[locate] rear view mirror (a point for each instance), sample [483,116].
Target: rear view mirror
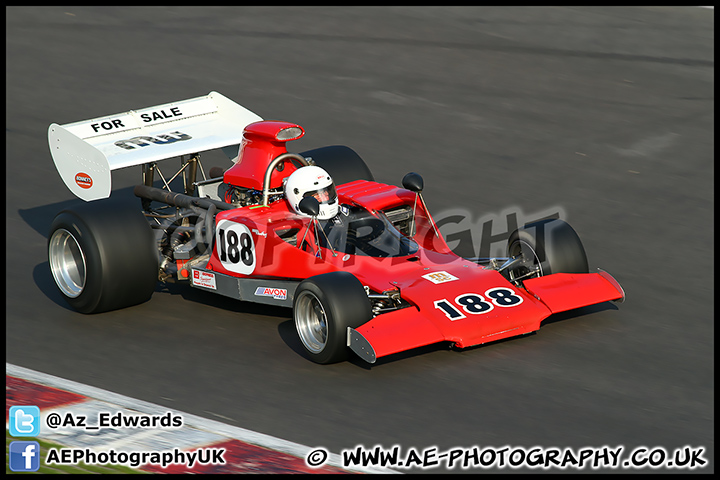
[413,182]
[309,206]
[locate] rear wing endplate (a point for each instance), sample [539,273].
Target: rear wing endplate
[86,152]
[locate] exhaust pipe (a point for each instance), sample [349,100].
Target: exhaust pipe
[178,199]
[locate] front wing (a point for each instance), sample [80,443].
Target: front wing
[413,327]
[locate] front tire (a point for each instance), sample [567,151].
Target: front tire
[546,247]
[324,307]
[102,256]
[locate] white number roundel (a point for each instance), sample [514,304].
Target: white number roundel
[235,247]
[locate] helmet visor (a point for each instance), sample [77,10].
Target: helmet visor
[323,195]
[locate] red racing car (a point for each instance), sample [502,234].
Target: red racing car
[362,264]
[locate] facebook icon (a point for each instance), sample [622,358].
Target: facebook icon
[24,456]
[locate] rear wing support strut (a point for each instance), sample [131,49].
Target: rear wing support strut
[188,168]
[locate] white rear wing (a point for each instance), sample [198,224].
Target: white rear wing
[86,152]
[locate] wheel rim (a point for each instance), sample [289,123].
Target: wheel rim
[311,322]
[67,262]
[530,260]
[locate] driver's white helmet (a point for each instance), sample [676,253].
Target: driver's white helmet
[315,181]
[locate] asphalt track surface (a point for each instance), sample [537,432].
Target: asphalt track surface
[603,114]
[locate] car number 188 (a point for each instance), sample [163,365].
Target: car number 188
[475,304]
[235,247]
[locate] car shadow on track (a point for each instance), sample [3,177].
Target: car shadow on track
[579,312]
[44,281]
[287,333]
[201,297]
